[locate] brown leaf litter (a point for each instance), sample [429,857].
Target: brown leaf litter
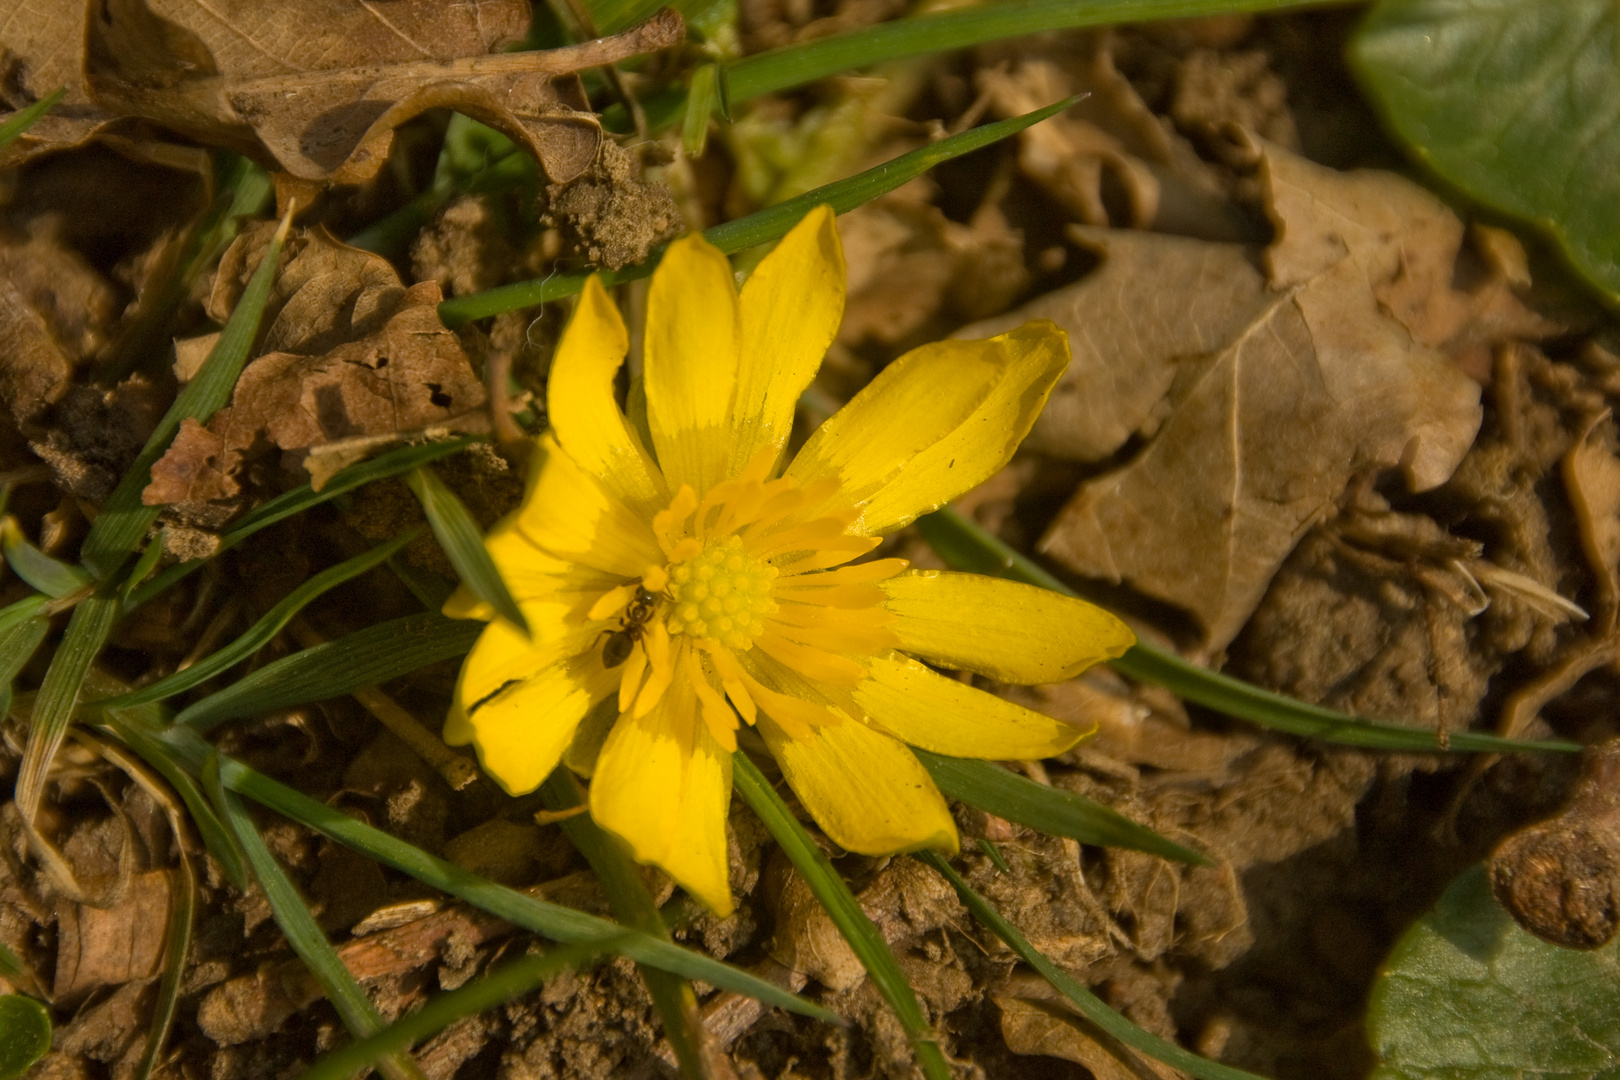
[313,88]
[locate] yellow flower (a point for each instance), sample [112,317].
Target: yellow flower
[676,591]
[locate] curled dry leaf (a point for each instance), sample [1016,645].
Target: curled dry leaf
[1592,477]
[1262,395]
[357,355]
[313,88]
[1042,1024]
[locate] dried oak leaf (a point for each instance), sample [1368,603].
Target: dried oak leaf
[313,87]
[1591,472]
[1313,383]
[356,355]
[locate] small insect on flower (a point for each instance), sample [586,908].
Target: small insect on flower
[681,578]
[622,642]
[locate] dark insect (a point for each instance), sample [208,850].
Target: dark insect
[616,650]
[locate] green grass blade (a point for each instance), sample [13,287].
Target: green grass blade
[965,546]
[366,657]
[177,943]
[25,1034]
[18,643]
[11,967]
[267,627]
[305,937]
[23,119]
[1047,809]
[463,543]
[23,610]
[845,911]
[52,577]
[1090,1006]
[795,65]
[151,555]
[299,499]
[549,920]
[87,632]
[760,227]
[702,96]
[124,520]
[498,987]
[632,905]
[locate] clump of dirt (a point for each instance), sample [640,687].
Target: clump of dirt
[610,215]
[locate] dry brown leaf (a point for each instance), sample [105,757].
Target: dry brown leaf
[1312,384]
[1046,1028]
[111,946]
[356,355]
[315,87]
[1592,478]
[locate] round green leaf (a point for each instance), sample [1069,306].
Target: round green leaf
[1517,103]
[25,1034]
[1467,995]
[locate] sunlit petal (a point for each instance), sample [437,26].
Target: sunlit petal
[568,513]
[521,729]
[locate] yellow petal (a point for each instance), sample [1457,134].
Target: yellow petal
[934,423]
[691,363]
[464,604]
[1008,631]
[663,786]
[521,730]
[865,789]
[924,708]
[567,513]
[584,412]
[791,308]
[503,654]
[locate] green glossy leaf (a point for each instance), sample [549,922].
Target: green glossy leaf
[760,227]
[463,542]
[1046,809]
[52,577]
[267,627]
[23,119]
[27,608]
[366,657]
[965,546]
[1089,1005]
[1468,995]
[832,891]
[1515,102]
[25,1034]
[123,521]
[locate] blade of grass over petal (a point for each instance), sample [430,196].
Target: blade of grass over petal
[549,920]
[965,546]
[1089,1005]
[124,520]
[297,922]
[632,905]
[1047,809]
[366,657]
[463,543]
[269,625]
[845,911]
[296,501]
[52,577]
[795,65]
[761,226]
[498,987]
[23,119]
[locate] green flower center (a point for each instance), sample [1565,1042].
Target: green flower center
[722,593]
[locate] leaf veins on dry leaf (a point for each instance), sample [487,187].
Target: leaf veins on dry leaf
[313,88]
[349,352]
[1260,393]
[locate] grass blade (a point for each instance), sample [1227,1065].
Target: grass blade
[23,119]
[52,577]
[124,520]
[23,610]
[845,911]
[548,920]
[632,905]
[1090,1006]
[299,499]
[268,626]
[463,542]
[756,228]
[965,546]
[498,987]
[305,937]
[366,657]
[1047,809]
[87,632]
[795,65]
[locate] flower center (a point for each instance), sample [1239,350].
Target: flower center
[722,593]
